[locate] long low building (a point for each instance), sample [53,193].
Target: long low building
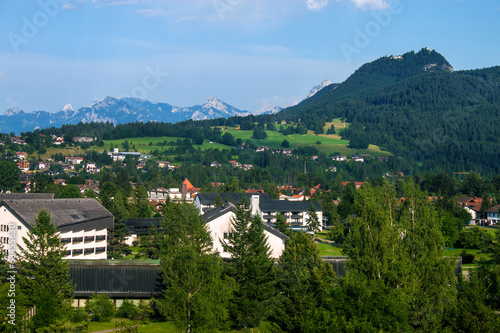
[82,224]
[133,280]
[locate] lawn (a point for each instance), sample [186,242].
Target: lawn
[326,249]
[148,327]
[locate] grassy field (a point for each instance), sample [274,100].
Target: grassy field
[329,144]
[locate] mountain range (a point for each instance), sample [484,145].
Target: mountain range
[127,110]
[118,111]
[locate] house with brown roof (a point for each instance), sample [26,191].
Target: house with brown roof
[473,206]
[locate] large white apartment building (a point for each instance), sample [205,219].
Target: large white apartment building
[82,224]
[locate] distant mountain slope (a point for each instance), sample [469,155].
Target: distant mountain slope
[117,111]
[417,107]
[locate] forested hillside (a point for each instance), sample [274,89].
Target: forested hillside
[417,108]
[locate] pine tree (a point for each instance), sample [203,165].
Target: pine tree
[251,267]
[196,294]
[44,275]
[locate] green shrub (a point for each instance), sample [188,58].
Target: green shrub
[101,307]
[127,310]
[79,315]
[474,238]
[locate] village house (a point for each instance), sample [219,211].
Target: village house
[339,158]
[73,159]
[473,206]
[356,158]
[21,155]
[215,164]
[492,215]
[83,139]
[357,184]
[219,224]
[17,140]
[261,149]
[24,166]
[283,151]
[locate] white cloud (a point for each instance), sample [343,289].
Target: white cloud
[118,2]
[370,4]
[316,5]
[69,6]
[153,12]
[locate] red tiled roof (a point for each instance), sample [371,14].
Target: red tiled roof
[189,186]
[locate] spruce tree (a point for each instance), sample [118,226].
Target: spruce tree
[281,224]
[313,222]
[218,201]
[196,292]
[251,267]
[43,274]
[304,283]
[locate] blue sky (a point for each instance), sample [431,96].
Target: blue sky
[249,53]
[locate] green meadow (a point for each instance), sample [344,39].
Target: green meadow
[328,144]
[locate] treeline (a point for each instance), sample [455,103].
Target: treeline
[397,279]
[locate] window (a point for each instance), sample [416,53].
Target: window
[100,250]
[77,239]
[89,239]
[100,238]
[65,240]
[86,216]
[18,227]
[89,251]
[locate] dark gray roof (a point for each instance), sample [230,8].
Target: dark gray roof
[219,211]
[209,198]
[288,206]
[274,231]
[63,212]
[47,196]
[116,278]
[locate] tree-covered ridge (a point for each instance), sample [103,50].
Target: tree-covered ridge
[437,121]
[388,70]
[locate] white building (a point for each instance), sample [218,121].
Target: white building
[219,223]
[296,212]
[82,224]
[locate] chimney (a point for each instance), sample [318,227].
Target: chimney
[254,204]
[183,191]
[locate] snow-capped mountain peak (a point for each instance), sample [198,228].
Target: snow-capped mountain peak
[215,103]
[12,112]
[317,88]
